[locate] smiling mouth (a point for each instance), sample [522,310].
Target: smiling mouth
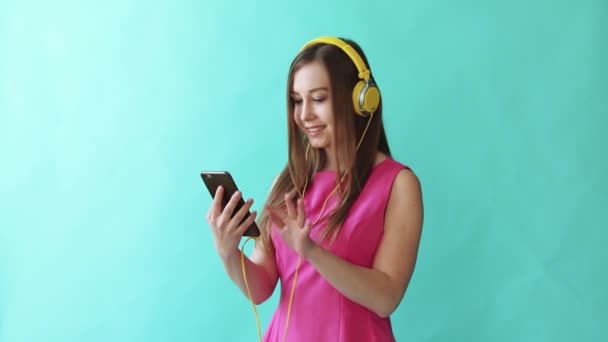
[314,130]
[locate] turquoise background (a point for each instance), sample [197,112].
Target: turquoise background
[109,111]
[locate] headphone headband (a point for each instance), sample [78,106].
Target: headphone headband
[365,95]
[364,72]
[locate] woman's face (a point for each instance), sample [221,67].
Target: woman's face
[313,110]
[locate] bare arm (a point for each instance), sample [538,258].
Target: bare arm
[227,229]
[382,287]
[260,269]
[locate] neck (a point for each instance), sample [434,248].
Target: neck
[330,160]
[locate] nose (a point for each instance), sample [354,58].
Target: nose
[306,110]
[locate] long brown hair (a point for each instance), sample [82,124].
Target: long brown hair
[348,130]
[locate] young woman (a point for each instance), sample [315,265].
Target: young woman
[342,224]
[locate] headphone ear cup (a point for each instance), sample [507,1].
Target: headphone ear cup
[357,92]
[366,98]
[371,99]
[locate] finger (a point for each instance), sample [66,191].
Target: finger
[301,215]
[248,222]
[276,217]
[307,227]
[238,217]
[216,205]
[232,203]
[291,212]
[279,213]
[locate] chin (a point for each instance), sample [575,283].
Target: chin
[318,144]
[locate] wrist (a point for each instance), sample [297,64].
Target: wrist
[227,256]
[310,250]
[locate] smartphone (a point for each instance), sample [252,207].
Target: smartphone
[213,179]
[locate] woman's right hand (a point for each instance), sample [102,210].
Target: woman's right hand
[227,231]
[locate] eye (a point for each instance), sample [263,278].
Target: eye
[296,101]
[319,99]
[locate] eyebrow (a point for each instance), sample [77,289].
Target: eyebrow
[312,90]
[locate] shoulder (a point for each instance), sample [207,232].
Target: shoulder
[394,177]
[406,181]
[404,178]
[406,191]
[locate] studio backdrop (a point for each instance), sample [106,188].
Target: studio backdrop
[109,111]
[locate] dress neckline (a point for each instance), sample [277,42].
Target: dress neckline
[334,173]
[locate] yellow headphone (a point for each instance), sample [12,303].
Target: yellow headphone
[366,95]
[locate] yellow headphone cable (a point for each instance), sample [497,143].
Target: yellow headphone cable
[293,286]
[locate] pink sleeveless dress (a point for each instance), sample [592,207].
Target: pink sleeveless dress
[320,313]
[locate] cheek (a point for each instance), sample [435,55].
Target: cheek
[327,114]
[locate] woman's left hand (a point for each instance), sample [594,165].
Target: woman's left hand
[293,227]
